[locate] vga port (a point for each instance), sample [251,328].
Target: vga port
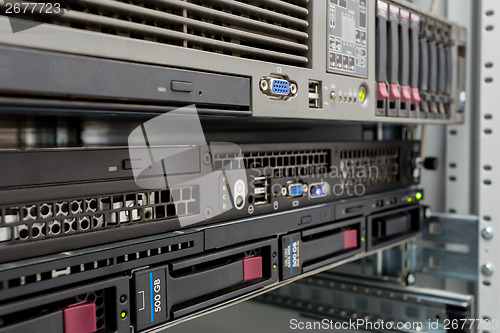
[293,190]
[278,87]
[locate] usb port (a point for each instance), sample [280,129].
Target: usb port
[314,94]
[261,191]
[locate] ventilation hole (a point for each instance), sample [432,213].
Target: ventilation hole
[91,297]
[99,312]
[488,65]
[84,223]
[488,80]
[45,210]
[24,233]
[487,167]
[487,182]
[488,116]
[453,165]
[487,218]
[100,324]
[488,131]
[489,28]
[453,132]
[55,228]
[490,12]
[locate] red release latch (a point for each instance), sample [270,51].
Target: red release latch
[252,267]
[79,317]
[382,92]
[350,238]
[394,92]
[415,95]
[405,93]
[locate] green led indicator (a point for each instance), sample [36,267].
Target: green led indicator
[409,199]
[418,195]
[123,314]
[274,266]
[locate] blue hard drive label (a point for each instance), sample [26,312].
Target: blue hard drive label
[291,255]
[150,288]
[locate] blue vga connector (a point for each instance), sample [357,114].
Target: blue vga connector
[278,87]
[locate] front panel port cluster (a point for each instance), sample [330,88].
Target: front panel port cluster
[314,94]
[278,87]
[319,190]
[293,189]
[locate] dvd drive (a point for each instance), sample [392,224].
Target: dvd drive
[40,73]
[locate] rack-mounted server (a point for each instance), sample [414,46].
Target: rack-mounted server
[162,279]
[63,199]
[383,61]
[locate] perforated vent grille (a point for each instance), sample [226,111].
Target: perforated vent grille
[282,163]
[96,264]
[256,29]
[370,166]
[40,220]
[98,297]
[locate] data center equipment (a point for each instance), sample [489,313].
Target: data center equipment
[166,278]
[383,61]
[105,229]
[84,195]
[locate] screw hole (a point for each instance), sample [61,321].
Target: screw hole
[487,167]
[487,182]
[453,165]
[488,65]
[488,116]
[487,218]
[489,28]
[488,131]
[453,132]
[488,80]
[453,178]
[490,12]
